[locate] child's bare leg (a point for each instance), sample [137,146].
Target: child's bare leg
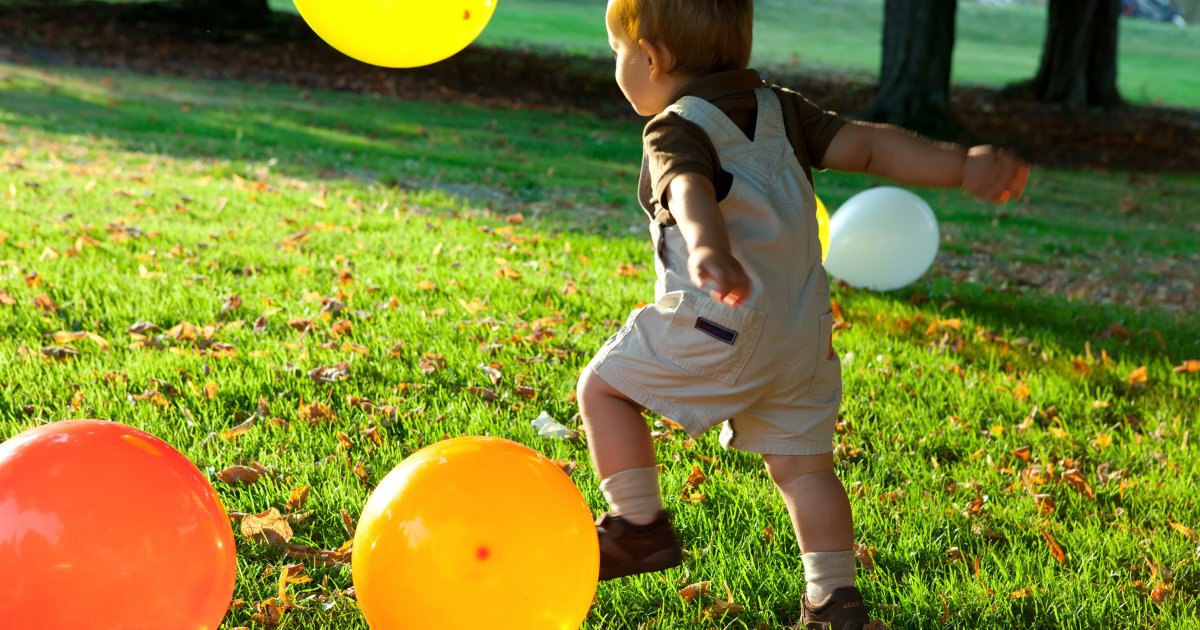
[621,448]
[821,516]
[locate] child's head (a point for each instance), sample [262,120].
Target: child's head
[704,36]
[662,43]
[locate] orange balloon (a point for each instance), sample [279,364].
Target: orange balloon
[103,526]
[476,532]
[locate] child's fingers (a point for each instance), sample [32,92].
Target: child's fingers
[722,288]
[1019,181]
[1010,180]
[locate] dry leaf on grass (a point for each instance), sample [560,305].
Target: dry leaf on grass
[297,497]
[1138,376]
[268,528]
[692,591]
[1189,366]
[1075,479]
[239,474]
[330,374]
[58,353]
[1055,549]
[1186,531]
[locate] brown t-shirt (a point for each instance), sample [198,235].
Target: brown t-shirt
[672,145]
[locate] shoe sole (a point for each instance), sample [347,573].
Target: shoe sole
[658,561]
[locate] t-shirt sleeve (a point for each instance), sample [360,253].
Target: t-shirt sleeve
[674,146]
[813,128]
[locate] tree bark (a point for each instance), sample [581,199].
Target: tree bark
[1079,57]
[914,78]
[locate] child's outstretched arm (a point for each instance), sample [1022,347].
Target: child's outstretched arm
[711,265]
[906,158]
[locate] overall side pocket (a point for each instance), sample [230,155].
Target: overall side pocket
[711,339]
[827,367]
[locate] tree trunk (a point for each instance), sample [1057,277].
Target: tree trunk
[914,79]
[1079,57]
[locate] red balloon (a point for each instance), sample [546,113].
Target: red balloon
[104,526]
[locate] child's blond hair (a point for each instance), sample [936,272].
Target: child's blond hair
[704,36]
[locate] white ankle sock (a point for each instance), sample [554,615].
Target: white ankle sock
[825,571]
[633,494]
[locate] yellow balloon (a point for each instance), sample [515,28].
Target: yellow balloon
[823,228]
[475,532]
[397,33]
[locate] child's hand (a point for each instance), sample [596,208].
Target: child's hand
[993,175]
[720,273]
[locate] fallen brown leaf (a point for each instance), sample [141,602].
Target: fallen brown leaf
[1075,479]
[1161,592]
[326,557]
[692,591]
[315,411]
[270,613]
[267,527]
[1138,376]
[866,556]
[45,303]
[1186,531]
[1055,549]
[431,362]
[483,393]
[142,328]
[59,353]
[1189,366]
[297,497]
[244,427]
[239,474]
[331,374]
[291,574]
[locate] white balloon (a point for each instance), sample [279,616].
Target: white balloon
[882,239]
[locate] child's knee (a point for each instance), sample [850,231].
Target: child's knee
[787,468]
[591,389]
[589,385]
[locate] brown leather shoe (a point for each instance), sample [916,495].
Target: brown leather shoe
[842,610]
[629,549]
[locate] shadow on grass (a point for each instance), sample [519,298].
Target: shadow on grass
[1029,319]
[506,156]
[512,158]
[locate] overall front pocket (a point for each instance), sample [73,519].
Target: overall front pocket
[710,338]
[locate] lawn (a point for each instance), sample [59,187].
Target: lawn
[995,45]
[465,262]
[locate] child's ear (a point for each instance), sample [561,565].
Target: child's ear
[660,57]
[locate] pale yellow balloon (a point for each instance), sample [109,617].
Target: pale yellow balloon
[823,227]
[397,33]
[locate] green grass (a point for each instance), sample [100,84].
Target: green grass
[130,199]
[995,45]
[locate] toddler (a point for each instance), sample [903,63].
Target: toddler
[740,333]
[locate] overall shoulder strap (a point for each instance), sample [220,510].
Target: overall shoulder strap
[770,115]
[712,120]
